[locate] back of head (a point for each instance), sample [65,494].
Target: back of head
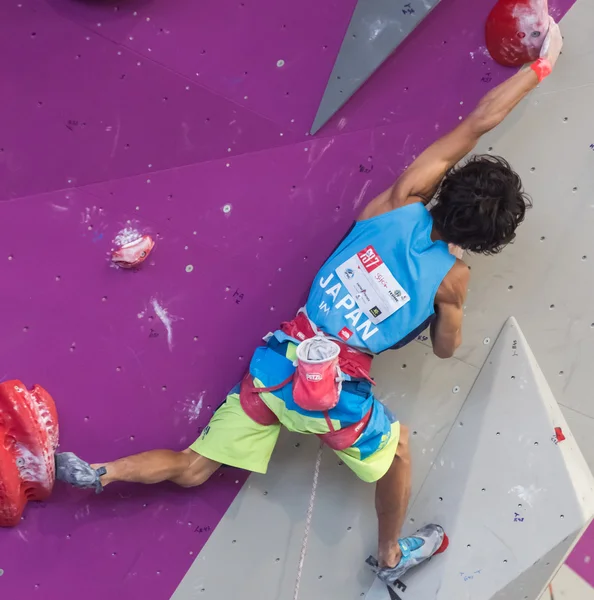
[480,205]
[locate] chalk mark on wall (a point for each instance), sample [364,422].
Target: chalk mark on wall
[166,319]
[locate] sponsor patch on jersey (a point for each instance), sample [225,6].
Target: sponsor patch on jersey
[345,334]
[375,311]
[372,285]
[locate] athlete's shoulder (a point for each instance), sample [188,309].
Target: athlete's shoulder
[388,201]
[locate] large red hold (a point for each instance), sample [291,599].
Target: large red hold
[28,441]
[516,30]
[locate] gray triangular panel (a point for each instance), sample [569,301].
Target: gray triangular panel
[376,29]
[513,495]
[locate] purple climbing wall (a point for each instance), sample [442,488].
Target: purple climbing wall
[582,557]
[185,120]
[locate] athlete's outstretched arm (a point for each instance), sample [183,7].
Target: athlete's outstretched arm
[425,174]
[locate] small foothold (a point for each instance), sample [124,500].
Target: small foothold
[456,389]
[134,253]
[189,268]
[559,434]
[487,341]
[280,63]
[227,209]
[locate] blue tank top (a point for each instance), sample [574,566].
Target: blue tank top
[377,289]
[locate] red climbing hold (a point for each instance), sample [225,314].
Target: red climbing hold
[132,254]
[516,31]
[28,441]
[559,434]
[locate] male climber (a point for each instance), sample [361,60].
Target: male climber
[391,276]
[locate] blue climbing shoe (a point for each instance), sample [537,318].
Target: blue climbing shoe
[417,548]
[78,473]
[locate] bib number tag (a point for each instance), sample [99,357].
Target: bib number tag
[372,285]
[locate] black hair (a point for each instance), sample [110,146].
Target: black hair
[480,204]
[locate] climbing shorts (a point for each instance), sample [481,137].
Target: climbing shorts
[232,438]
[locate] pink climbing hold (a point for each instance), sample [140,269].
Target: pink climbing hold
[134,253]
[516,31]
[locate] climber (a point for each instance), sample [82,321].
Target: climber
[391,276]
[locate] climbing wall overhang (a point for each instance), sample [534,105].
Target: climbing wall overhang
[509,485]
[376,29]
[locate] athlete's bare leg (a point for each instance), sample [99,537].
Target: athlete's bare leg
[186,468]
[392,494]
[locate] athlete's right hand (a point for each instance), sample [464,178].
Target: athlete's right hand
[553,43]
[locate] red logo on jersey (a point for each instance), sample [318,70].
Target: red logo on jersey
[345,334]
[370,258]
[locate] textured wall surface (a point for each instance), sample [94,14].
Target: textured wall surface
[188,121]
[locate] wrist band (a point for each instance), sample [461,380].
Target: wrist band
[542,67]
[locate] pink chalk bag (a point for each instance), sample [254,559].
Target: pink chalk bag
[317,381]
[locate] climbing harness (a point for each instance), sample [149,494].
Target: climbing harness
[306,378]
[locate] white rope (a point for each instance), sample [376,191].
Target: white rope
[312,499]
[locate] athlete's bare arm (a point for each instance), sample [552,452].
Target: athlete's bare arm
[421,180]
[446,330]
